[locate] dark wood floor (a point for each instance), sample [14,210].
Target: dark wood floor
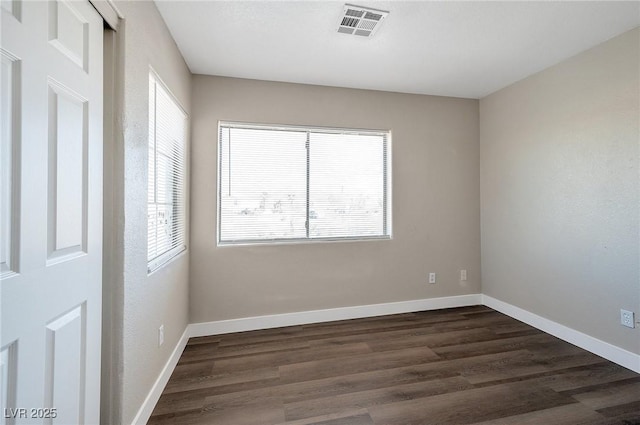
[457,366]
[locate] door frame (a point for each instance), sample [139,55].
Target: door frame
[110,405]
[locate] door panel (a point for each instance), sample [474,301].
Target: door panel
[65,366]
[9,157]
[67,197]
[51,222]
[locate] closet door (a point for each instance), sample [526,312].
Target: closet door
[51,212]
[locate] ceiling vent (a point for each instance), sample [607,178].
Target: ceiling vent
[362,21]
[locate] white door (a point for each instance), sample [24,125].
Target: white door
[51,212]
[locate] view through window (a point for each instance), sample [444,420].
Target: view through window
[279,183]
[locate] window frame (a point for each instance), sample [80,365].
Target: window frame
[387,178]
[167,256]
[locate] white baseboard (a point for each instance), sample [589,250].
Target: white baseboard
[603,349]
[156,391]
[329,315]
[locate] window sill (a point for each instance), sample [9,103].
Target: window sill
[305,241]
[164,259]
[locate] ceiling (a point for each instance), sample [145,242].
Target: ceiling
[448,48]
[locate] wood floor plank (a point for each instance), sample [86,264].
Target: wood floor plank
[190,356]
[333,386]
[466,407]
[292,356]
[364,381]
[351,420]
[586,376]
[511,327]
[432,340]
[204,339]
[455,366]
[186,370]
[350,417]
[366,399]
[353,364]
[255,413]
[471,320]
[609,397]
[214,379]
[517,365]
[371,330]
[632,408]
[382,378]
[356,382]
[493,346]
[570,414]
[181,402]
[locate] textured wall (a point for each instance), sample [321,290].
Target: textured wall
[435,204]
[559,185]
[142,303]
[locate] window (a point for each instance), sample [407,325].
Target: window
[279,184]
[166,192]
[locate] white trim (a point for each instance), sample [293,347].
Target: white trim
[304,128]
[109,12]
[329,315]
[603,349]
[143,415]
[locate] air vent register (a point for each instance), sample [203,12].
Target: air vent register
[362,21]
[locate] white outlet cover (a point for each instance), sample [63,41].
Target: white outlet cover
[627,318]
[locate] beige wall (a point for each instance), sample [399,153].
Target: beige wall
[140,303]
[560,191]
[435,204]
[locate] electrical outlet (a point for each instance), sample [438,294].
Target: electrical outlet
[627,319]
[463,275]
[160,335]
[432,278]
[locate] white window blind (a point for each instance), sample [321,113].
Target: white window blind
[279,184]
[166,225]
